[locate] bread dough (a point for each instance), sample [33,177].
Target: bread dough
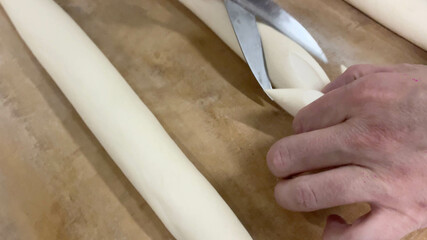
[294,99]
[406,18]
[182,198]
[214,14]
[288,64]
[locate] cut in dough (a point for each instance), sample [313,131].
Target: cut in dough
[407,18]
[182,198]
[288,64]
[294,99]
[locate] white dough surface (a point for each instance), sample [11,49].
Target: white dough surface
[407,18]
[183,199]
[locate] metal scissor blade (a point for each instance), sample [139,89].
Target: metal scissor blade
[272,14]
[245,27]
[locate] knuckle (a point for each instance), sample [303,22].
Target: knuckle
[372,89]
[370,136]
[357,71]
[303,120]
[406,67]
[297,124]
[361,94]
[305,197]
[277,160]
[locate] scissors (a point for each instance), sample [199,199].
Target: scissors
[244,15]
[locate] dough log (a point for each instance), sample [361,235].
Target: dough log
[182,198]
[407,18]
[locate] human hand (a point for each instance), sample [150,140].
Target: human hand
[366,138]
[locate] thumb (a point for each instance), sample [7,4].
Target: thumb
[379,224]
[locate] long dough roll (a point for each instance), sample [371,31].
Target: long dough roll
[183,199]
[407,18]
[296,76]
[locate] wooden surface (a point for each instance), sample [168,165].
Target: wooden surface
[57,182]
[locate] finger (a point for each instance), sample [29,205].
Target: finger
[339,105]
[331,109]
[335,187]
[335,227]
[304,152]
[357,71]
[380,224]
